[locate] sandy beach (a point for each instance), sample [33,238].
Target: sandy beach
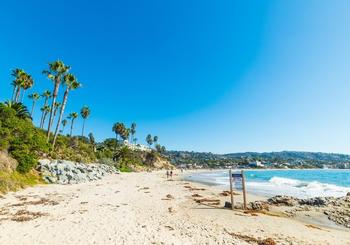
[144,208]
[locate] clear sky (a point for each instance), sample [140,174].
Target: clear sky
[219,76]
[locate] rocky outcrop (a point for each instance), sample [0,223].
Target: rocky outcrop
[336,209]
[67,172]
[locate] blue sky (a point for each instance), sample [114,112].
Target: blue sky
[219,76]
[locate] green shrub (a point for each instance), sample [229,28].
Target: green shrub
[21,139]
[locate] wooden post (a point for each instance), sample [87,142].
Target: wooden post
[244,191]
[231,191]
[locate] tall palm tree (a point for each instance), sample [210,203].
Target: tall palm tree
[28,83]
[85,113]
[72,117]
[133,131]
[46,110]
[34,97]
[64,123]
[56,71]
[46,95]
[71,83]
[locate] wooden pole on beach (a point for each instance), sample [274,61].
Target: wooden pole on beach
[231,192]
[244,191]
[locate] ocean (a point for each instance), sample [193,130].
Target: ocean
[298,183]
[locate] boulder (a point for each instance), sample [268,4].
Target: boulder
[67,172]
[283,201]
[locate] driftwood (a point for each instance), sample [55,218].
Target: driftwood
[253,240]
[196,195]
[208,201]
[227,193]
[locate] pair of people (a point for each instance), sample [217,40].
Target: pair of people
[169,174]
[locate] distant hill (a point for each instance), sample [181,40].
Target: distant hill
[292,158]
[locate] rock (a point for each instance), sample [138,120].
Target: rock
[258,205]
[283,200]
[67,172]
[316,201]
[228,205]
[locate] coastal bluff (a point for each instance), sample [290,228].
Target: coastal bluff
[68,172]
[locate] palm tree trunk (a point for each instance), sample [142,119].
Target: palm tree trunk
[71,127]
[13,92]
[65,97]
[45,115]
[17,93]
[54,96]
[82,132]
[31,113]
[42,115]
[22,96]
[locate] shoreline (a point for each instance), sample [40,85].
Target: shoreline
[146,208]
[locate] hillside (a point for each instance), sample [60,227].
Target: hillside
[292,159]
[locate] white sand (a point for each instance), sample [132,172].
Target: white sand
[117,210]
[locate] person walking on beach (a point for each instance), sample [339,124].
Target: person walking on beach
[167,174]
[171,174]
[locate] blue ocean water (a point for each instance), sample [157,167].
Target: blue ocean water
[298,183]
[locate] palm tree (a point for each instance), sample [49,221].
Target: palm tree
[155,139]
[117,129]
[71,83]
[34,97]
[149,140]
[46,95]
[85,113]
[22,80]
[133,131]
[57,70]
[20,109]
[45,109]
[64,123]
[72,117]
[28,83]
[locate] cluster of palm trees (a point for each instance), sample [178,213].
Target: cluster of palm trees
[151,140]
[60,75]
[125,133]
[22,81]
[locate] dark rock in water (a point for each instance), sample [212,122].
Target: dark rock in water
[228,205]
[283,200]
